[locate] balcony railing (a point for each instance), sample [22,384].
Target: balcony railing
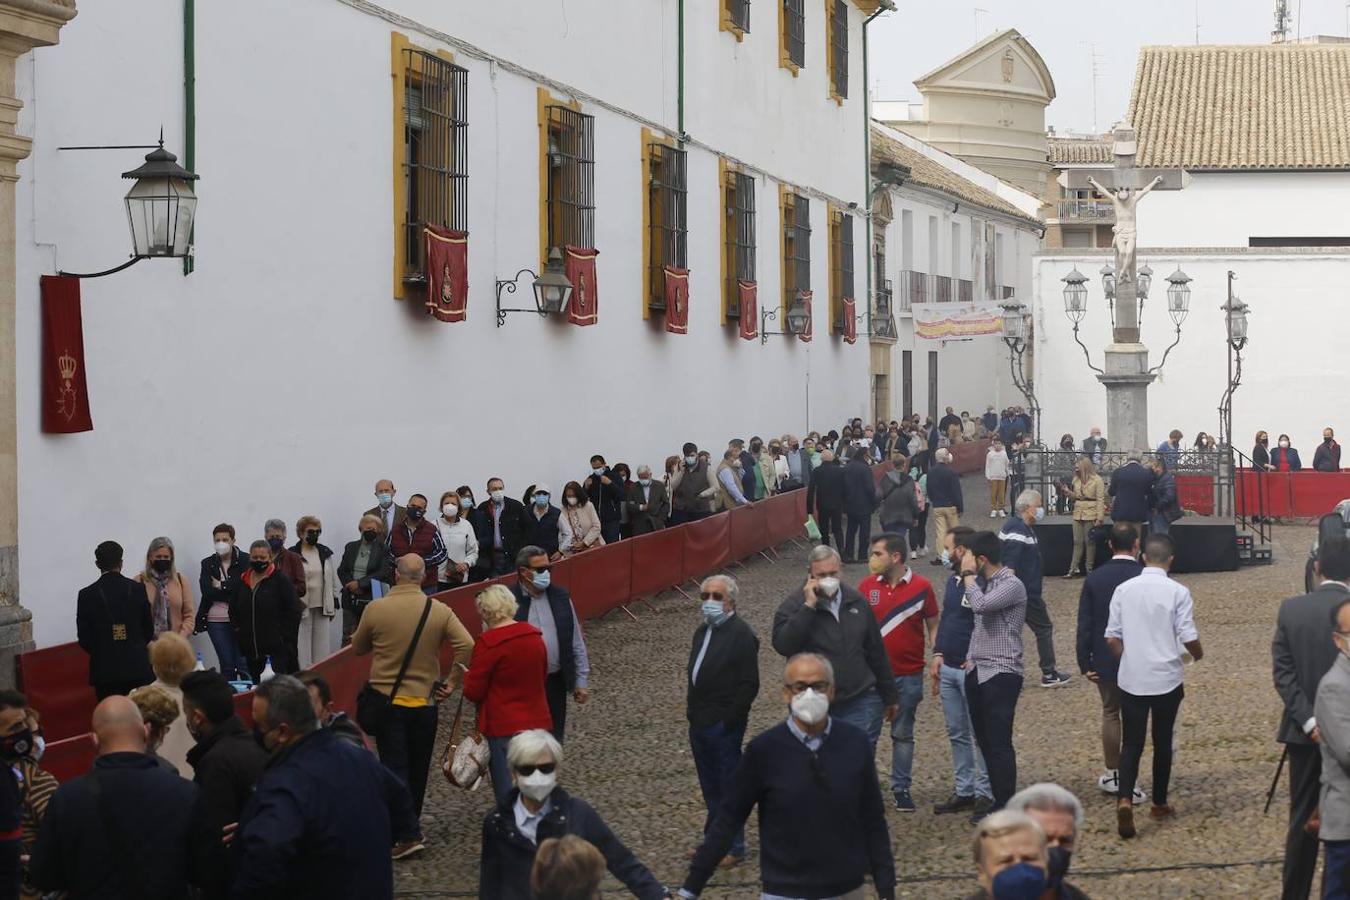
[883,318]
[1086,211]
[942,289]
[965,291]
[913,289]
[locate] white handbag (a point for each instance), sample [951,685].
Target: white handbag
[466,762]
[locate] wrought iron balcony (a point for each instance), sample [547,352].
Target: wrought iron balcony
[913,289]
[1086,211]
[942,288]
[883,318]
[965,291]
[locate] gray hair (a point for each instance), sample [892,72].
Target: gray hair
[732,588]
[274,525]
[814,657]
[998,824]
[160,543]
[288,703]
[822,552]
[527,552]
[1048,797]
[1028,499]
[943,455]
[528,746]
[644,468]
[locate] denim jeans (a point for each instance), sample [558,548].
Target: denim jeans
[864,711]
[1336,871]
[972,780]
[498,768]
[1158,524]
[230,658]
[902,731]
[717,753]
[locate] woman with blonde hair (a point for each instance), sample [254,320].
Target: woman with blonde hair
[167,590]
[567,868]
[579,524]
[1089,510]
[172,659]
[160,711]
[323,592]
[506,680]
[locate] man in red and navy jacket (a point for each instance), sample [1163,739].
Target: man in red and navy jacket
[907,612]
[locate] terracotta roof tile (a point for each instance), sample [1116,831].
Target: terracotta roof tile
[1080,150]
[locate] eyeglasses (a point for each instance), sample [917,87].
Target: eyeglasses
[538,568]
[530,769]
[798,687]
[711,595]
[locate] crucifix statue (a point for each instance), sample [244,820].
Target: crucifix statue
[1125,199]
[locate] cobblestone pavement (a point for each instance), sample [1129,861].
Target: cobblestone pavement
[627,750]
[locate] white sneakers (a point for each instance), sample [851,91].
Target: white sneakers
[993,514]
[1110,784]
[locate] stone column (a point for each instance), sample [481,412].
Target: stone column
[1127,379]
[24,24]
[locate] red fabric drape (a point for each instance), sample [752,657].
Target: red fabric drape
[850,321]
[65,392]
[805,336]
[447,255]
[583,307]
[749,301]
[677,300]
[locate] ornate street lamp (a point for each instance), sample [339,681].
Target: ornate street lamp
[552,289]
[1178,307]
[1145,281]
[1108,274]
[1235,330]
[1075,304]
[1235,318]
[1016,334]
[794,320]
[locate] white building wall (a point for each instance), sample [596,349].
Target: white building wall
[281,378]
[1225,209]
[1294,366]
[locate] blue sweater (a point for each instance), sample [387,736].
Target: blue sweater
[1094,608]
[1022,554]
[822,826]
[955,625]
[944,488]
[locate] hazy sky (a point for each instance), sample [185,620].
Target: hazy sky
[922,34]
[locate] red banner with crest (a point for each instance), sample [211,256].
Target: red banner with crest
[583,307]
[447,271]
[677,300]
[850,321]
[65,392]
[748,294]
[805,336]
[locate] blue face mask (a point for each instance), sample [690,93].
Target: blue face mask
[598,471]
[1040,513]
[690,460]
[946,559]
[645,482]
[465,503]
[541,500]
[542,579]
[713,612]
[1020,882]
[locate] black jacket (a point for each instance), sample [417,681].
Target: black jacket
[544,529]
[1094,608]
[517,527]
[728,678]
[379,568]
[853,644]
[299,837]
[1301,654]
[860,488]
[508,856]
[265,617]
[826,491]
[211,571]
[226,763]
[1132,488]
[114,625]
[608,498]
[151,837]
[564,624]
[1165,500]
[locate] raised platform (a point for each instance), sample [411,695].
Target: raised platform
[1204,544]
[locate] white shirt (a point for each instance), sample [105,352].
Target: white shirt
[527,823]
[1153,616]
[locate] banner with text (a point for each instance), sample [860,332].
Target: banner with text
[945,321]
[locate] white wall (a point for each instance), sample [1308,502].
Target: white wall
[1225,209]
[281,378]
[1294,367]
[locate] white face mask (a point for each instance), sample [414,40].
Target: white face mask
[450,510]
[571,501]
[829,586]
[39,747]
[1284,443]
[223,548]
[809,707]
[497,496]
[538,785]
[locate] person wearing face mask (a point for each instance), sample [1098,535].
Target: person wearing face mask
[623,478]
[544,516]
[293,840]
[729,481]
[746,459]
[1060,815]
[723,679]
[1011,858]
[389,512]
[1333,722]
[505,529]
[1285,458]
[1327,456]
[113,624]
[365,561]
[505,681]
[265,612]
[692,488]
[648,504]
[1261,451]
[16,746]
[219,573]
[84,847]
[36,785]
[1022,555]
[579,527]
[536,810]
[1166,504]
[1094,446]
[822,825]
[420,537]
[798,460]
[605,491]
[549,608]
[287,562]
[226,764]
[167,590]
[322,592]
[461,543]
[834,620]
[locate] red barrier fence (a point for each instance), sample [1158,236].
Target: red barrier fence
[1290,495]
[658,561]
[968,456]
[56,682]
[1196,493]
[707,545]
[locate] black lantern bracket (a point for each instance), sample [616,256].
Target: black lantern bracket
[551,289]
[509,286]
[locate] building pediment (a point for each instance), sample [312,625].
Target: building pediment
[1004,64]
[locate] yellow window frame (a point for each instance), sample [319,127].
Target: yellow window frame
[649,137]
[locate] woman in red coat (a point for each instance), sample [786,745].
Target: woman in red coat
[506,680]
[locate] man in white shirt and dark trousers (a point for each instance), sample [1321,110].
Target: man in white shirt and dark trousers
[1151,618]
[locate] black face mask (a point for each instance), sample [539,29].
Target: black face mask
[275,542]
[162,566]
[369,536]
[258,565]
[415,513]
[16,745]
[312,537]
[1058,867]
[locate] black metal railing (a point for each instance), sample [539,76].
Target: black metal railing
[740,211]
[571,178]
[436,148]
[913,288]
[942,288]
[839,48]
[667,194]
[965,291]
[738,12]
[883,315]
[797,248]
[794,38]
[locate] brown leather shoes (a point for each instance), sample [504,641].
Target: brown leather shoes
[1161,812]
[730,862]
[1125,821]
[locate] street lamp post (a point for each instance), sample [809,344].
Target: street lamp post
[1016,334]
[1235,330]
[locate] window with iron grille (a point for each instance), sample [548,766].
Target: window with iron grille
[793,28]
[435,152]
[667,194]
[839,48]
[571,178]
[796,247]
[740,231]
[841,279]
[737,14]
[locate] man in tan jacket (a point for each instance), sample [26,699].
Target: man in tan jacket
[408,734]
